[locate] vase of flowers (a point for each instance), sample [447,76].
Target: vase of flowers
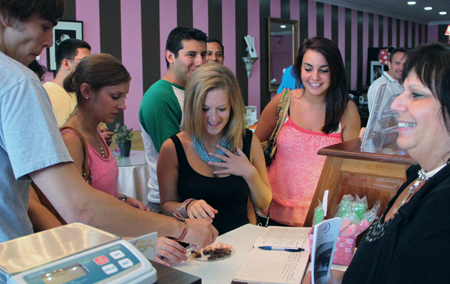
[123,139]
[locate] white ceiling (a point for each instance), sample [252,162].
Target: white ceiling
[400,9]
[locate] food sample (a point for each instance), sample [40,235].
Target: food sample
[214,251]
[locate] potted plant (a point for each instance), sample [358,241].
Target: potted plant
[123,139]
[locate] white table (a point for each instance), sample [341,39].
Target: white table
[218,272]
[134,174]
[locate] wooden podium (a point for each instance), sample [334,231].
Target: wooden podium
[348,170]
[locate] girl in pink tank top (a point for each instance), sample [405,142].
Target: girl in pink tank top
[320,114]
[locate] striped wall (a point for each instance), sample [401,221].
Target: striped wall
[135,32]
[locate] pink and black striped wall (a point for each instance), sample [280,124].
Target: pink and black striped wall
[135,31]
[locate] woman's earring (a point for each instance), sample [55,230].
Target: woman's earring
[87,98]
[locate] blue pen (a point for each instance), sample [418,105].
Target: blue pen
[279,248]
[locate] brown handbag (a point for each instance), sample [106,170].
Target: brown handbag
[270,146]
[86,175]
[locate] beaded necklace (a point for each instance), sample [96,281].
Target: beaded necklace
[198,146]
[95,137]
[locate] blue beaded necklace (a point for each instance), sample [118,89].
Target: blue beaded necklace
[198,146]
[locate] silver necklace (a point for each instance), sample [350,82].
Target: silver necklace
[422,178]
[99,144]
[198,146]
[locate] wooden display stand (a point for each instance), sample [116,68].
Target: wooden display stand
[348,170]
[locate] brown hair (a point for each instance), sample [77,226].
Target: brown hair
[21,10]
[98,70]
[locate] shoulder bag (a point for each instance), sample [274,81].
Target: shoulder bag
[86,175]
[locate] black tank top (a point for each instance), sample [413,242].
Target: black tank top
[228,195]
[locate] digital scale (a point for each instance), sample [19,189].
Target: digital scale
[74,253]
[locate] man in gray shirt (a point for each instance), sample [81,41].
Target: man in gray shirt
[31,146]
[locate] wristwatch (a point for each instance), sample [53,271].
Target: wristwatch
[123,197]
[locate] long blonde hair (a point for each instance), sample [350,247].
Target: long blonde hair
[206,78]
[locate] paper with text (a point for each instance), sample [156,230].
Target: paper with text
[263,266]
[285,237]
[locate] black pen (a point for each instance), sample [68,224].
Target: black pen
[280,248]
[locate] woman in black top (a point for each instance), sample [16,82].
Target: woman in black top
[410,242]
[211,168]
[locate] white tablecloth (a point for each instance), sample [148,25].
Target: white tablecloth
[218,272]
[134,173]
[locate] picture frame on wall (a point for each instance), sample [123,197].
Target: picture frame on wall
[63,30]
[376,70]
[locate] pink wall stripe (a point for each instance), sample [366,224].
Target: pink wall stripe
[254,82]
[354,63]
[327,20]
[341,27]
[409,34]
[167,22]
[376,33]
[132,58]
[312,20]
[402,29]
[48,76]
[365,45]
[394,33]
[275,8]
[295,15]
[229,34]
[200,15]
[91,22]
[385,32]
[433,33]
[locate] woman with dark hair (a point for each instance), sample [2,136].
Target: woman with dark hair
[320,114]
[409,243]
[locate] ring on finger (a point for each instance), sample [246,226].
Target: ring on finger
[165,248]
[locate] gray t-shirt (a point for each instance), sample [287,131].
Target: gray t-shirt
[29,141]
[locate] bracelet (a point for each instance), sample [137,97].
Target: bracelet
[184,232]
[183,209]
[123,197]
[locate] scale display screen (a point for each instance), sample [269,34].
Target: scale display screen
[64,275]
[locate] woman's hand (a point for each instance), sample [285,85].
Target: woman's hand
[361,133]
[237,165]
[336,277]
[136,203]
[170,250]
[199,209]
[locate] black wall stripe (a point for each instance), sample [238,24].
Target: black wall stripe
[264,14]
[390,43]
[413,33]
[420,35]
[241,32]
[398,34]
[334,24]
[215,21]
[380,31]
[371,30]
[70,12]
[348,44]
[184,13]
[441,33]
[360,50]
[151,52]
[303,25]
[285,9]
[320,19]
[110,36]
[406,34]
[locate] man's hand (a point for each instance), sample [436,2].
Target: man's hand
[200,233]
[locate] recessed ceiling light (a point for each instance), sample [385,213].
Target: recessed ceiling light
[283,26]
[443,13]
[411,2]
[428,8]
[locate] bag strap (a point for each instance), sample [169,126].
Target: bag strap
[86,170]
[282,110]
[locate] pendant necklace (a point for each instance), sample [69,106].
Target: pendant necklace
[99,144]
[423,177]
[198,146]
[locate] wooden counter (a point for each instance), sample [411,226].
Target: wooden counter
[348,170]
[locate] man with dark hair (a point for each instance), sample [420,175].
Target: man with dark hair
[214,51]
[68,54]
[160,114]
[392,79]
[31,147]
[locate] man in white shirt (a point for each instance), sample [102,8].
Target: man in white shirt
[392,78]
